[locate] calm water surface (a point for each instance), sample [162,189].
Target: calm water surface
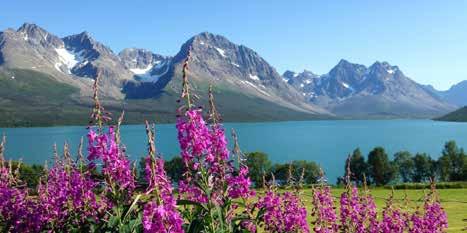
[325,142]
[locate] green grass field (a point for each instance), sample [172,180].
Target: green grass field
[454,202]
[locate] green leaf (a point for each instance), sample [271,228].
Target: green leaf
[195,226]
[132,207]
[188,202]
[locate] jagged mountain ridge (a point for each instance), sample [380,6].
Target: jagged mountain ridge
[355,90]
[75,60]
[150,81]
[217,61]
[349,90]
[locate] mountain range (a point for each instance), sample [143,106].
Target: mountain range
[456,95]
[45,79]
[381,90]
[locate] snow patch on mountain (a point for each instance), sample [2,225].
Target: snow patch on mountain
[254,77]
[255,87]
[220,51]
[67,58]
[147,74]
[139,71]
[57,67]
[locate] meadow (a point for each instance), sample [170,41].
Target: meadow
[454,202]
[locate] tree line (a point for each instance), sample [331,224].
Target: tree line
[406,167]
[377,168]
[260,166]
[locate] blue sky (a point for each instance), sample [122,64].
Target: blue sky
[426,39]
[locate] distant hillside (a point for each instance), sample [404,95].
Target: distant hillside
[31,98]
[456,95]
[460,115]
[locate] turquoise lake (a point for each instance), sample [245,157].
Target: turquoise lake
[326,142]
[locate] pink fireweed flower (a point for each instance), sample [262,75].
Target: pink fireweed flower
[116,166]
[283,213]
[433,219]
[239,186]
[323,210]
[394,220]
[160,215]
[219,165]
[249,226]
[350,210]
[195,144]
[161,219]
[194,138]
[369,215]
[222,171]
[68,197]
[19,211]
[219,143]
[191,192]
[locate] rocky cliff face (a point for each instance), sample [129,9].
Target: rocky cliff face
[215,60]
[75,60]
[145,65]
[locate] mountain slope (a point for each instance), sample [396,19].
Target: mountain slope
[147,84]
[75,60]
[456,95]
[32,47]
[228,67]
[145,65]
[97,59]
[143,83]
[460,115]
[381,90]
